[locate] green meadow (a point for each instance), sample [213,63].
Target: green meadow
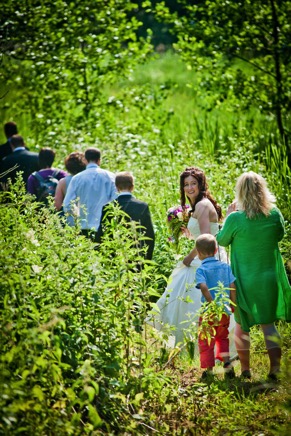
[72,361]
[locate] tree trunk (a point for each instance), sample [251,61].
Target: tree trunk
[277,62]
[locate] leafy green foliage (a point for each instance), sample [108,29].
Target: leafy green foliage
[63,53]
[238,52]
[73,358]
[71,338]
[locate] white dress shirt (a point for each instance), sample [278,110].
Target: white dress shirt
[87,193]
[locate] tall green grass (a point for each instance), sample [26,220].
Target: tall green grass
[72,360]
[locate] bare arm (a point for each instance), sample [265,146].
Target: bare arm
[205,292]
[188,259]
[60,194]
[231,208]
[202,212]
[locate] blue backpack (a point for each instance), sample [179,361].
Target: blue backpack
[46,186]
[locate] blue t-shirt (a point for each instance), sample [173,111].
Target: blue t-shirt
[211,272]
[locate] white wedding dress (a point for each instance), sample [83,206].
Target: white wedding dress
[179,304]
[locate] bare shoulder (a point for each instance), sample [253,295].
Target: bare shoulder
[62,182]
[204,204]
[205,208]
[62,185]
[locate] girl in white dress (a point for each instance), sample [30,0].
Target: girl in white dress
[181,300]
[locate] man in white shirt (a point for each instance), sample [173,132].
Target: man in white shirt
[88,192]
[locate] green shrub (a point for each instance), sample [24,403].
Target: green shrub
[72,345]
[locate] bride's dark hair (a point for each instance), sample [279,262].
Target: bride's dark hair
[203,189]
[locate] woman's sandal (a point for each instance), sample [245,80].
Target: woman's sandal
[246,374]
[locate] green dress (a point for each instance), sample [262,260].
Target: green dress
[263,289]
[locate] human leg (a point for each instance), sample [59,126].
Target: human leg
[242,343]
[206,351]
[222,346]
[222,340]
[273,345]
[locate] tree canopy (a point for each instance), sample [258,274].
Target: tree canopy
[63,52]
[243,50]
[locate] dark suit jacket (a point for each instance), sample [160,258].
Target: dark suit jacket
[27,162]
[5,150]
[139,212]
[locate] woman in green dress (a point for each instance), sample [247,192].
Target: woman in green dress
[253,228]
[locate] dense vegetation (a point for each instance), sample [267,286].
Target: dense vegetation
[214,35]
[73,359]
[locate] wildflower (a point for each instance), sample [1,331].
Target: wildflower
[36,269]
[30,235]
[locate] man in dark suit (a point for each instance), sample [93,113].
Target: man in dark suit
[19,160]
[10,129]
[135,209]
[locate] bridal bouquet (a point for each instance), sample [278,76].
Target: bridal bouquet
[177,217]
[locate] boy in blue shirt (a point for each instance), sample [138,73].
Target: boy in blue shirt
[208,275]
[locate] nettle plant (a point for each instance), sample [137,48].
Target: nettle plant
[74,356]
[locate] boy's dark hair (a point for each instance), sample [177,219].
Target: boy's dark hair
[124,181]
[17,141]
[206,244]
[10,129]
[46,157]
[92,154]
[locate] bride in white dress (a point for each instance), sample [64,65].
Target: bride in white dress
[179,304]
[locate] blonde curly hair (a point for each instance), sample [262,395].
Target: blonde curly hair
[253,195]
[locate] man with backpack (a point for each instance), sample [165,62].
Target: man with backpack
[43,183]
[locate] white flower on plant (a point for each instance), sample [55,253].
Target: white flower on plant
[36,269]
[30,235]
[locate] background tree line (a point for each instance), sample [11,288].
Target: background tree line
[57,57]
